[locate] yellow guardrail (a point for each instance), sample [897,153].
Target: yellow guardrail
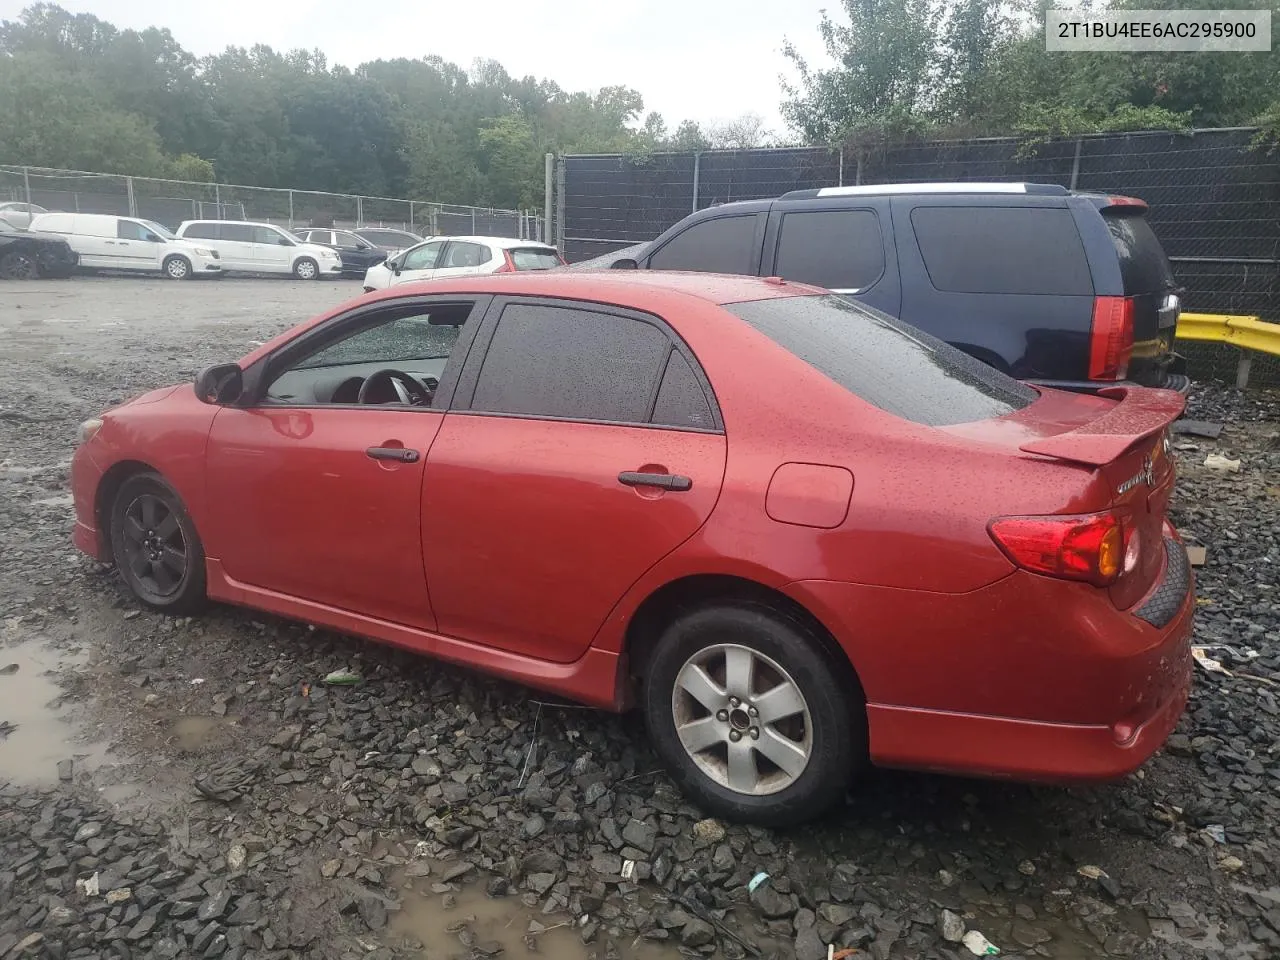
[1248,333]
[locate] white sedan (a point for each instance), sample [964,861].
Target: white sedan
[461,256]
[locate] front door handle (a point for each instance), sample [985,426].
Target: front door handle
[665,481]
[398,454]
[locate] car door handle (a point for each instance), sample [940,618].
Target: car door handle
[665,481]
[398,454]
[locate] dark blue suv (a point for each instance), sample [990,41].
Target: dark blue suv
[1068,289]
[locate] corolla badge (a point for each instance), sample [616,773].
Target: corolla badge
[1145,475]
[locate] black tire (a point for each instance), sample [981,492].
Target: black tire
[19,265]
[177,268]
[835,721]
[306,269]
[149,526]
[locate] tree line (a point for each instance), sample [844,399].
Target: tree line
[957,68]
[77,92]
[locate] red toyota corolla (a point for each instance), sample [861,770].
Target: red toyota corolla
[803,535]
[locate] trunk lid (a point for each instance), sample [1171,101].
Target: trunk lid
[1119,435]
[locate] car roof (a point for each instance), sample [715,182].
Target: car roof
[625,287]
[502,243]
[881,189]
[247,223]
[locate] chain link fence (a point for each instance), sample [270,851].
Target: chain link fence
[169,202]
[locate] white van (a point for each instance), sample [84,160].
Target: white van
[109,242]
[263,248]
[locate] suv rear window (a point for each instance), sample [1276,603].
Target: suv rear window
[889,364]
[1030,250]
[1143,264]
[533,258]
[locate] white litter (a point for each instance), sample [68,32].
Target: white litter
[197,681]
[88,887]
[1207,663]
[1092,872]
[628,870]
[1216,461]
[979,945]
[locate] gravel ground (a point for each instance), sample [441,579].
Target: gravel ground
[217,800]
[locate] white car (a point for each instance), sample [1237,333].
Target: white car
[108,242]
[438,257]
[263,248]
[20,214]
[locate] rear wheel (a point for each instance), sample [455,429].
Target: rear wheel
[749,711]
[18,265]
[306,269]
[155,545]
[177,268]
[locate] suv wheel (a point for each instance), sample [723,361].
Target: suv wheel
[751,715]
[155,545]
[306,269]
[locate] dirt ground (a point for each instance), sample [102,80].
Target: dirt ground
[189,788]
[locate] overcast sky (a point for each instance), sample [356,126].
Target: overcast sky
[698,59]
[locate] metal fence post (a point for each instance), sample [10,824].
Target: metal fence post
[411,216]
[1075,163]
[290,209]
[26,182]
[549,193]
[1243,366]
[560,205]
[359,211]
[473,221]
[697,164]
[857,174]
[217,200]
[133,203]
[840,169]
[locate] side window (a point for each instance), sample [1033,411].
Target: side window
[201,231]
[723,245]
[837,249]
[1029,250]
[236,231]
[553,361]
[681,400]
[423,257]
[466,255]
[417,341]
[344,239]
[128,230]
[268,236]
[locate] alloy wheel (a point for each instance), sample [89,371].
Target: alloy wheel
[155,548]
[742,719]
[19,266]
[306,270]
[177,268]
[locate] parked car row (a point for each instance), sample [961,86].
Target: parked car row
[197,248]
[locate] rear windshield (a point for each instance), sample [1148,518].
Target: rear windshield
[1143,265]
[532,258]
[889,364]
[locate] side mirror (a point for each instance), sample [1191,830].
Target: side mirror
[395,265]
[625,263]
[220,384]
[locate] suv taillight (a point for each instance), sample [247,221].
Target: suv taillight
[1091,547]
[1111,339]
[508,265]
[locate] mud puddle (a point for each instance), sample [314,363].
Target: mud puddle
[476,924]
[39,744]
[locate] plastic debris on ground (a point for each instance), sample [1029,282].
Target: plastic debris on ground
[342,678]
[979,945]
[1207,663]
[1216,461]
[758,879]
[1197,428]
[1092,872]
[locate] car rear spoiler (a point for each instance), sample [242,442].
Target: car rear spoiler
[1141,413]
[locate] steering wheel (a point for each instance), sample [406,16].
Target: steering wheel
[408,389]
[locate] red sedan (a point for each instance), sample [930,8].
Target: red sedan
[801,534]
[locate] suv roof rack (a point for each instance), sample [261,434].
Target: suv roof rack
[1044,189]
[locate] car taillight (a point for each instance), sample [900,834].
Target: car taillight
[508,265]
[1091,547]
[1111,340]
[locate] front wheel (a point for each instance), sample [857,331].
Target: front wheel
[177,268]
[156,547]
[752,715]
[306,269]
[18,266]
